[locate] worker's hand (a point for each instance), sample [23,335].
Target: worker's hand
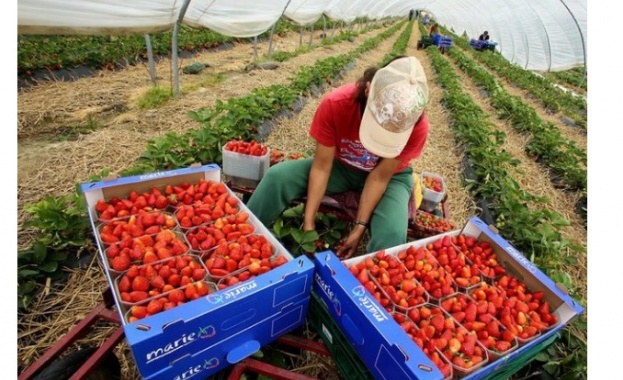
[350,245]
[311,226]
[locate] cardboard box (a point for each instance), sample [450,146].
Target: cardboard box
[387,350]
[240,344]
[228,324]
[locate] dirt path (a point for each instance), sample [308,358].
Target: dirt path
[47,167]
[441,153]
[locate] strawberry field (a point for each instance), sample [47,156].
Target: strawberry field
[511,147]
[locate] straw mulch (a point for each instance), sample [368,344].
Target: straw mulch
[54,166]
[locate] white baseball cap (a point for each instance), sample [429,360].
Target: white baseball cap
[396,100]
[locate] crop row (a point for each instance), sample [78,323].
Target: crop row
[562,157]
[551,97]
[36,52]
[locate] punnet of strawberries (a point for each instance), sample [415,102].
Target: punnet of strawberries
[428,224]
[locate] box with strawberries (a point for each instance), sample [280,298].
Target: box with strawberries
[433,190]
[463,304]
[245,162]
[198,281]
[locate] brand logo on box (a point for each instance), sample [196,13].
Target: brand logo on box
[155,175]
[195,370]
[521,258]
[326,289]
[226,295]
[185,340]
[360,295]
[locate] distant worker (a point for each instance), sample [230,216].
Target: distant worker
[484,36]
[434,29]
[411,15]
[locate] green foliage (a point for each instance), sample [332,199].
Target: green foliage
[63,228]
[576,77]
[567,357]
[155,97]
[288,228]
[541,88]
[546,145]
[60,221]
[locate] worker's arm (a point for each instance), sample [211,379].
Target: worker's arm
[373,191]
[317,183]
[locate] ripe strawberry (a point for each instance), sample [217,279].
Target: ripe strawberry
[124,284]
[154,307]
[138,311]
[191,292]
[157,282]
[120,263]
[198,274]
[138,296]
[202,288]
[438,322]
[140,283]
[177,296]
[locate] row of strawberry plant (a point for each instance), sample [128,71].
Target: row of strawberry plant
[329,229]
[543,89]
[575,77]
[236,118]
[547,145]
[535,232]
[37,52]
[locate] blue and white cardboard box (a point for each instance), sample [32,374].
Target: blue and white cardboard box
[382,344]
[237,346]
[238,319]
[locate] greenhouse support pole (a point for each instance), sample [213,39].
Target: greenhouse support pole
[176,79]
[580,31]
[311,35]
[255,48]
[272,31]
[150,59]
[270,42]
[301,37]
[324,25]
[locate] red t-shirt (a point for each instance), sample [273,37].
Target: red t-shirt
[336,124]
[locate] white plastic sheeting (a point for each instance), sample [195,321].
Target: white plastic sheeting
[534,34]
[235,18]
[94,17]
[305,12]
[544,35]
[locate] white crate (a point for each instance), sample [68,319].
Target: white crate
[430,197]
[244,166]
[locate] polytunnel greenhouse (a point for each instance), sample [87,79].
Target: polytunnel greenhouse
[298,189]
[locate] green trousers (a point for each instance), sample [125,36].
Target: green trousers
[287,181]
